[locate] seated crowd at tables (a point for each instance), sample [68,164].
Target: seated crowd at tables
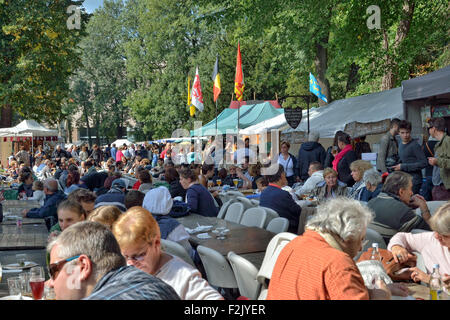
[111,232]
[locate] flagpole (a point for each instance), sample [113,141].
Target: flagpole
[307,109]
[216,115]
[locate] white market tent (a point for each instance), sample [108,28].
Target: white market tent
[278,122]
[365,109]
[28,128]
[120,142]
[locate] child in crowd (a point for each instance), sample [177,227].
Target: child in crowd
[69,212]
[38,192]
[106,215]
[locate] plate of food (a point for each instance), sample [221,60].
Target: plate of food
[25,265]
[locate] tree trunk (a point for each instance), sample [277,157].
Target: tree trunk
[321,62]
[353,78]
[88,129]
[391,65]
[6,116]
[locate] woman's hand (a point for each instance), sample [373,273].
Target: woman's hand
[400,254]
[418,275]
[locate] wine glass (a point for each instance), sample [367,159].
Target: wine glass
[221,228]
[37,280]
[219,182]
[235,181]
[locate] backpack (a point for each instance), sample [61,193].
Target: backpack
[179,209]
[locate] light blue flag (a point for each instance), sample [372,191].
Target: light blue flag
[315,88]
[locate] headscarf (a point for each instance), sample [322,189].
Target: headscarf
[158,201]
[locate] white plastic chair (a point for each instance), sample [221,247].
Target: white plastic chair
[432,206]
[234,212]
[176,249]
[229,195]
[278,225]
[271,214]
[245,273]
[217,268]
[254,217]
[246,202]
[270,258]
[224,208]
[255,202]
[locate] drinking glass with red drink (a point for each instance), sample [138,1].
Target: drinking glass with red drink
[37,280]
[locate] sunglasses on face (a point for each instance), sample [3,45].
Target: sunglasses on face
[55,268]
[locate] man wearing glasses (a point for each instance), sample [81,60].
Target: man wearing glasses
[86,263]
[441,161]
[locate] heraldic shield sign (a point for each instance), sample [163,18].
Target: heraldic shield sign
[293,116]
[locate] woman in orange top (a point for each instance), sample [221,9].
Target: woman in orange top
[319,264]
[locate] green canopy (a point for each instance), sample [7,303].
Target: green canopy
[249,115]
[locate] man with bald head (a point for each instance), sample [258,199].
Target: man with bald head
[53,196]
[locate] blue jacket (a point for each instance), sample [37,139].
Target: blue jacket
[130,283]
[51,203]
[281,201]
[113,197]
[166,224]
[200,200]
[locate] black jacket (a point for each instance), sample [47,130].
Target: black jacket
[177,190]
[344,172]
[309,152]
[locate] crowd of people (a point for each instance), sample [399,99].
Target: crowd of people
[110,231]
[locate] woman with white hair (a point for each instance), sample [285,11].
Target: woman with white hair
[433,246]
[372,185]
[319,265]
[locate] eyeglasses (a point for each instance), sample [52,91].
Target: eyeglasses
[56,267]
[137,258]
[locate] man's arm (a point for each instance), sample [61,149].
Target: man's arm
[382,151]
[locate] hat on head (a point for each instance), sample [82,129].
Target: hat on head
[119,183]
[158,201]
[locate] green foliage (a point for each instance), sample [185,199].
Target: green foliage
[37,56]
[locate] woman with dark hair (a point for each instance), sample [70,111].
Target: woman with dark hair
[332,151]
[198,198]
[173,179]
[342,161]
[206,174]
[289,163]
[26,188]
[72,182]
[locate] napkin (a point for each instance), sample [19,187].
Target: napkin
[203,236]
[198,229]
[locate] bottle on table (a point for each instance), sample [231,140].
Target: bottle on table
[375,252]
[435,284]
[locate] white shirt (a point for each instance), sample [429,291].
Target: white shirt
[287,164]
[311,183]
[38,195]
[186,281]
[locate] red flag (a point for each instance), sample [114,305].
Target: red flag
[197,96]
[239,78]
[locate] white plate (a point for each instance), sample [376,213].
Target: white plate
[28,264]
[204,236]
[15,298]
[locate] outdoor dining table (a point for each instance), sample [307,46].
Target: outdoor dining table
[249,242]
[37,256]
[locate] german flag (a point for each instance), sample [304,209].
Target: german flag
[216,78]
[239,78]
